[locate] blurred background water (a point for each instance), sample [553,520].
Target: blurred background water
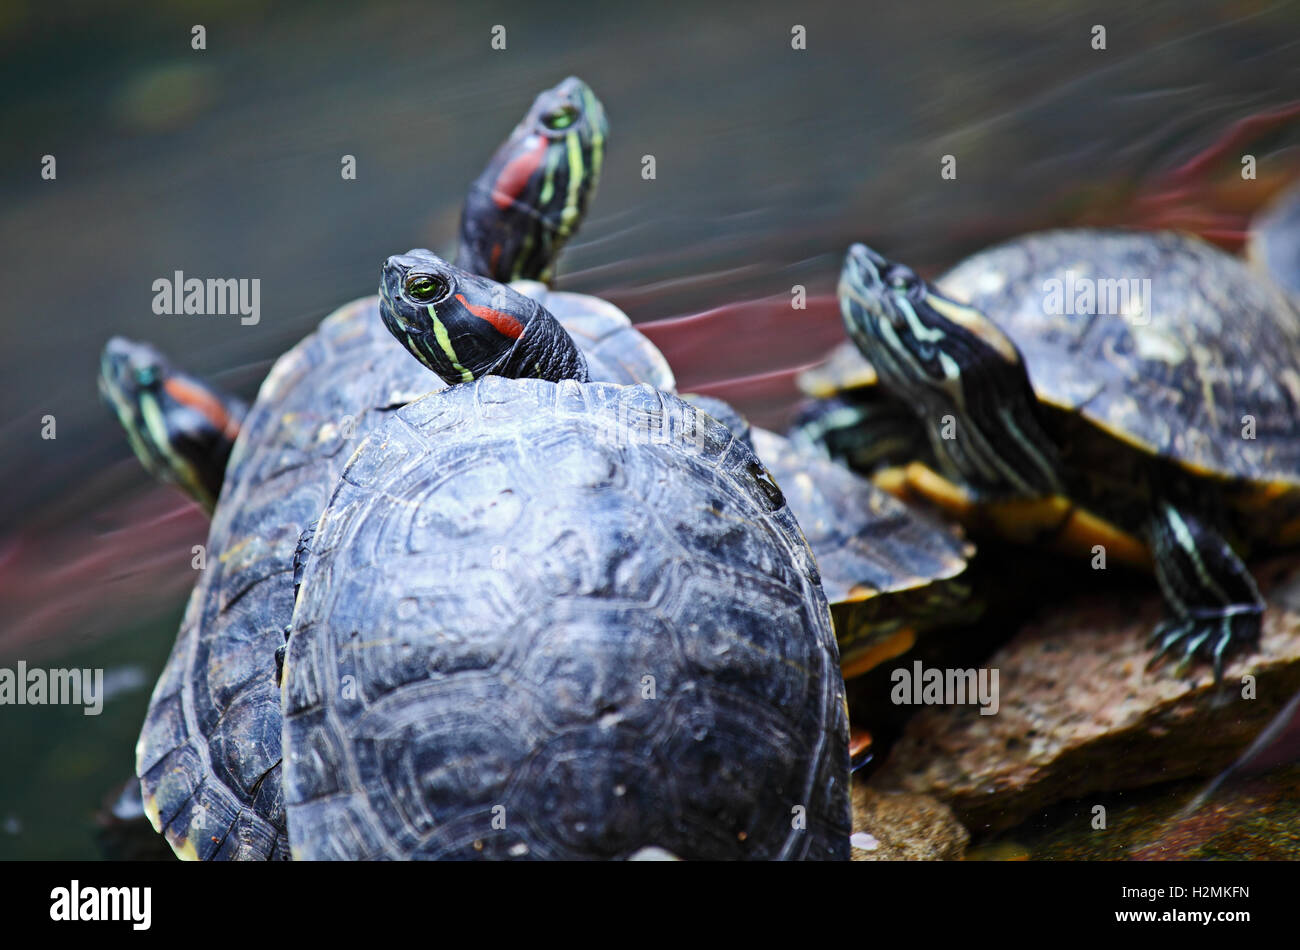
[226,163]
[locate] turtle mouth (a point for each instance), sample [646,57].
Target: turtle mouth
[117,366]
[864,269]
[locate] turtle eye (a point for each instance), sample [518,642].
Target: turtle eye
[425,288]
[900,278]
[561,117]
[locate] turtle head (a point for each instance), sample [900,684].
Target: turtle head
[462,325]
[181,429]
[533,194]
[890,311]
[962,375]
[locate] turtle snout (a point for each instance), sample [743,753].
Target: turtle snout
[865,265]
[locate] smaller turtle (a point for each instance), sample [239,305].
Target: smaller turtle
[180,428]
[1151,431]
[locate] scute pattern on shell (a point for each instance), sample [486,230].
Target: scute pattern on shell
[1215,343]
[501,566]
[863,537]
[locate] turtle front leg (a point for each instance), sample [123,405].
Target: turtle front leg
[1215,605]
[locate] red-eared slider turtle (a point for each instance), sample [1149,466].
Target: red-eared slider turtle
[1135,394]
[560,620]
[852,419]
[887,570]
[209,753]
[180,428]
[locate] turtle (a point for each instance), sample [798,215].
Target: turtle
[209,753]
[560,620]
[887,569]
[1159,427]
[849,417]
[180,427]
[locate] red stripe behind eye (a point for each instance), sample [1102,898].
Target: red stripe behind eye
[504,324]
[204,403]
[514,178]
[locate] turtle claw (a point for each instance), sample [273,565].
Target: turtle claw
[1214,637]
[1168,634]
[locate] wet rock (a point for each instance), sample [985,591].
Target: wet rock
[1251,818]
[1080,714]
[901,826]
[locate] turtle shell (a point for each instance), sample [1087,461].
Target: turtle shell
[1174,371]
[208,756]
[883,564]
[561,620]
[1181,344]
[844,369]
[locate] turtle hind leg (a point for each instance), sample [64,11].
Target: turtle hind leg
[1216,608]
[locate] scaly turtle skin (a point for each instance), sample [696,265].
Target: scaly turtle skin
[561,620]
[534,192]
[1157,426]
[850,418]
[180,428]
[209,753]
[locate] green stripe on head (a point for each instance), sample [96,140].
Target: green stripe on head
[959,372]
[181,429]
[519,213]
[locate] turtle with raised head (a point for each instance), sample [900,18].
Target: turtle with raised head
[1155,423]
[849,417]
